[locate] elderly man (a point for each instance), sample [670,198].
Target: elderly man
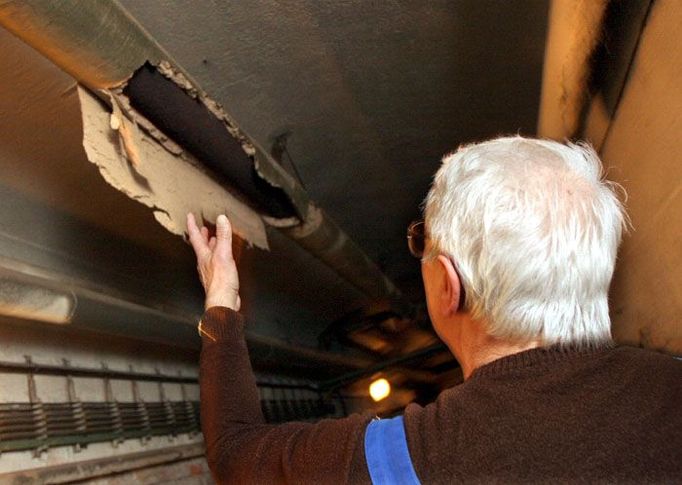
[517,254]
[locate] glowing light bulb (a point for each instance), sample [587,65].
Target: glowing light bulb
[379,389]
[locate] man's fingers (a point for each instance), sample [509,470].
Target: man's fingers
[223,229]
[223,246]
[195,237]
[211,243]
[204,233]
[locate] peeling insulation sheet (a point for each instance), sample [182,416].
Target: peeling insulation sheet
[208,138]
[171,185]
[268,169]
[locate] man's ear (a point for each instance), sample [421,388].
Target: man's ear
[450,286]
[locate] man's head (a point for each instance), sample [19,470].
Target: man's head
[532,231]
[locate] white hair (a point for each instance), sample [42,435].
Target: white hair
[533,229]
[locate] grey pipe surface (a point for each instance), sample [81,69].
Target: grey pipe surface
[111,312]
[321,236]
[101,45]
[95,41]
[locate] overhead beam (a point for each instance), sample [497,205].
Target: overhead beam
[575,27]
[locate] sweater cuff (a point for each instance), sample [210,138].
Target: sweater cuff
[219,324]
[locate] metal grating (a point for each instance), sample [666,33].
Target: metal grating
[38,426]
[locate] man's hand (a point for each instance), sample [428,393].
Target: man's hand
[216,266]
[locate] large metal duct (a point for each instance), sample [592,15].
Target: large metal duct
[102,46]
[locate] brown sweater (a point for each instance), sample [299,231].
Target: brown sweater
[544,415]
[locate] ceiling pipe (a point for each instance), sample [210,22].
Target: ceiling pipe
[102,46]
[95,41]
[110,311]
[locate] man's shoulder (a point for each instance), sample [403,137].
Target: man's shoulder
[648,364]
[639,370]
[620,404]
[647,358]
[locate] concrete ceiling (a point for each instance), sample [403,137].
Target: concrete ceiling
[370,96]
[43,164]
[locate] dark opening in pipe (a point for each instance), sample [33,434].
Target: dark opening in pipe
[190,124]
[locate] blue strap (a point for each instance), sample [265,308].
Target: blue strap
[388,458]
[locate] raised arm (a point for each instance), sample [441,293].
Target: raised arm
[240,447]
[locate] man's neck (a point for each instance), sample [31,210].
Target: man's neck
[474,348]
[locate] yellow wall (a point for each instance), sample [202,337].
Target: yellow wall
[644,150]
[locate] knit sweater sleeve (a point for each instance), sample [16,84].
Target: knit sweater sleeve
[240,446]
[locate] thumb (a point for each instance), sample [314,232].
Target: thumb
[223,236]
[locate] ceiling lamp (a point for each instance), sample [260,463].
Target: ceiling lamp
[379,389]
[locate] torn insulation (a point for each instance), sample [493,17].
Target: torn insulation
[102,47]
[139,166]
[203,129]
[265,166]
